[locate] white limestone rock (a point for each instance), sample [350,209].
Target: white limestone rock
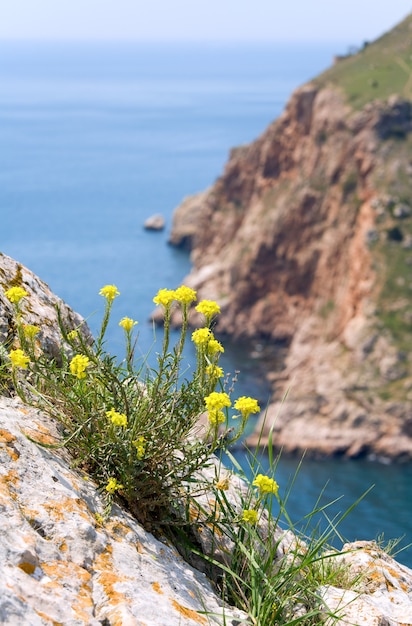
[38,308]
[60,565]
[382,595]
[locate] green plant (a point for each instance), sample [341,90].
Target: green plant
[349,184]
[128,425]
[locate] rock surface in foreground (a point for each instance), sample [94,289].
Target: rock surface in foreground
[383,594]
[38,308]
[60,565]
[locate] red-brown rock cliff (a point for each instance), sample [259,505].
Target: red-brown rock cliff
[291,241]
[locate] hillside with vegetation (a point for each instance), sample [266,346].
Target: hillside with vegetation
[379,70]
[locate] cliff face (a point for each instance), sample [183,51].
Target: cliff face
[297,242]
[280,216]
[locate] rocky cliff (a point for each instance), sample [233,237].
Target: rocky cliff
[306,239]
[43,310]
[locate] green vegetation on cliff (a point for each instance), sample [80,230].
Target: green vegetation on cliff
[379,70]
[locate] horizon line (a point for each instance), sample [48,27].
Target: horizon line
[226,42]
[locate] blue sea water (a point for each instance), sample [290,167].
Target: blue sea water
[95,138]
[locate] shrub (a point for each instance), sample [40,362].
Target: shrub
[130,426]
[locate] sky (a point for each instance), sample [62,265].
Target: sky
[349,21]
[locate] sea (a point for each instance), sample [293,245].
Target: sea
[97,137]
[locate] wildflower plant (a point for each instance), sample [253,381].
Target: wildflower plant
[133,429]
[130,426]
[260,560]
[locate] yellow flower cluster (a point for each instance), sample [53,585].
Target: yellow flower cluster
[217,400]
[19,359]
[246,406]
[208,308]
[214,371]
[113,486]
[109,292]
[165,297]
[214,346]
[72,335]
[78,365]
[118,419]
[127,324]
[140,445]
[216,417]
[15,294]
[185,295]
[30,331]
[266,484]
[250,516]
[222,484]
[202,336]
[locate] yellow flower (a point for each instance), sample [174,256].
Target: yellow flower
[140,445]
[246,406]
[15,294]
[266,484]
[118,419]
[222,484]
[217,400]
[208,308]
[201,336]
[30,331]
[214,371]
[250,516]
[216,417]
[99,519]
[113,485]
[214,346]
[127,324]
[19,359]
[185,295]
[109,292]
[165,297]
[78,365]
[73,334]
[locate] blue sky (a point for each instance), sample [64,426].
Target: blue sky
[349,21]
